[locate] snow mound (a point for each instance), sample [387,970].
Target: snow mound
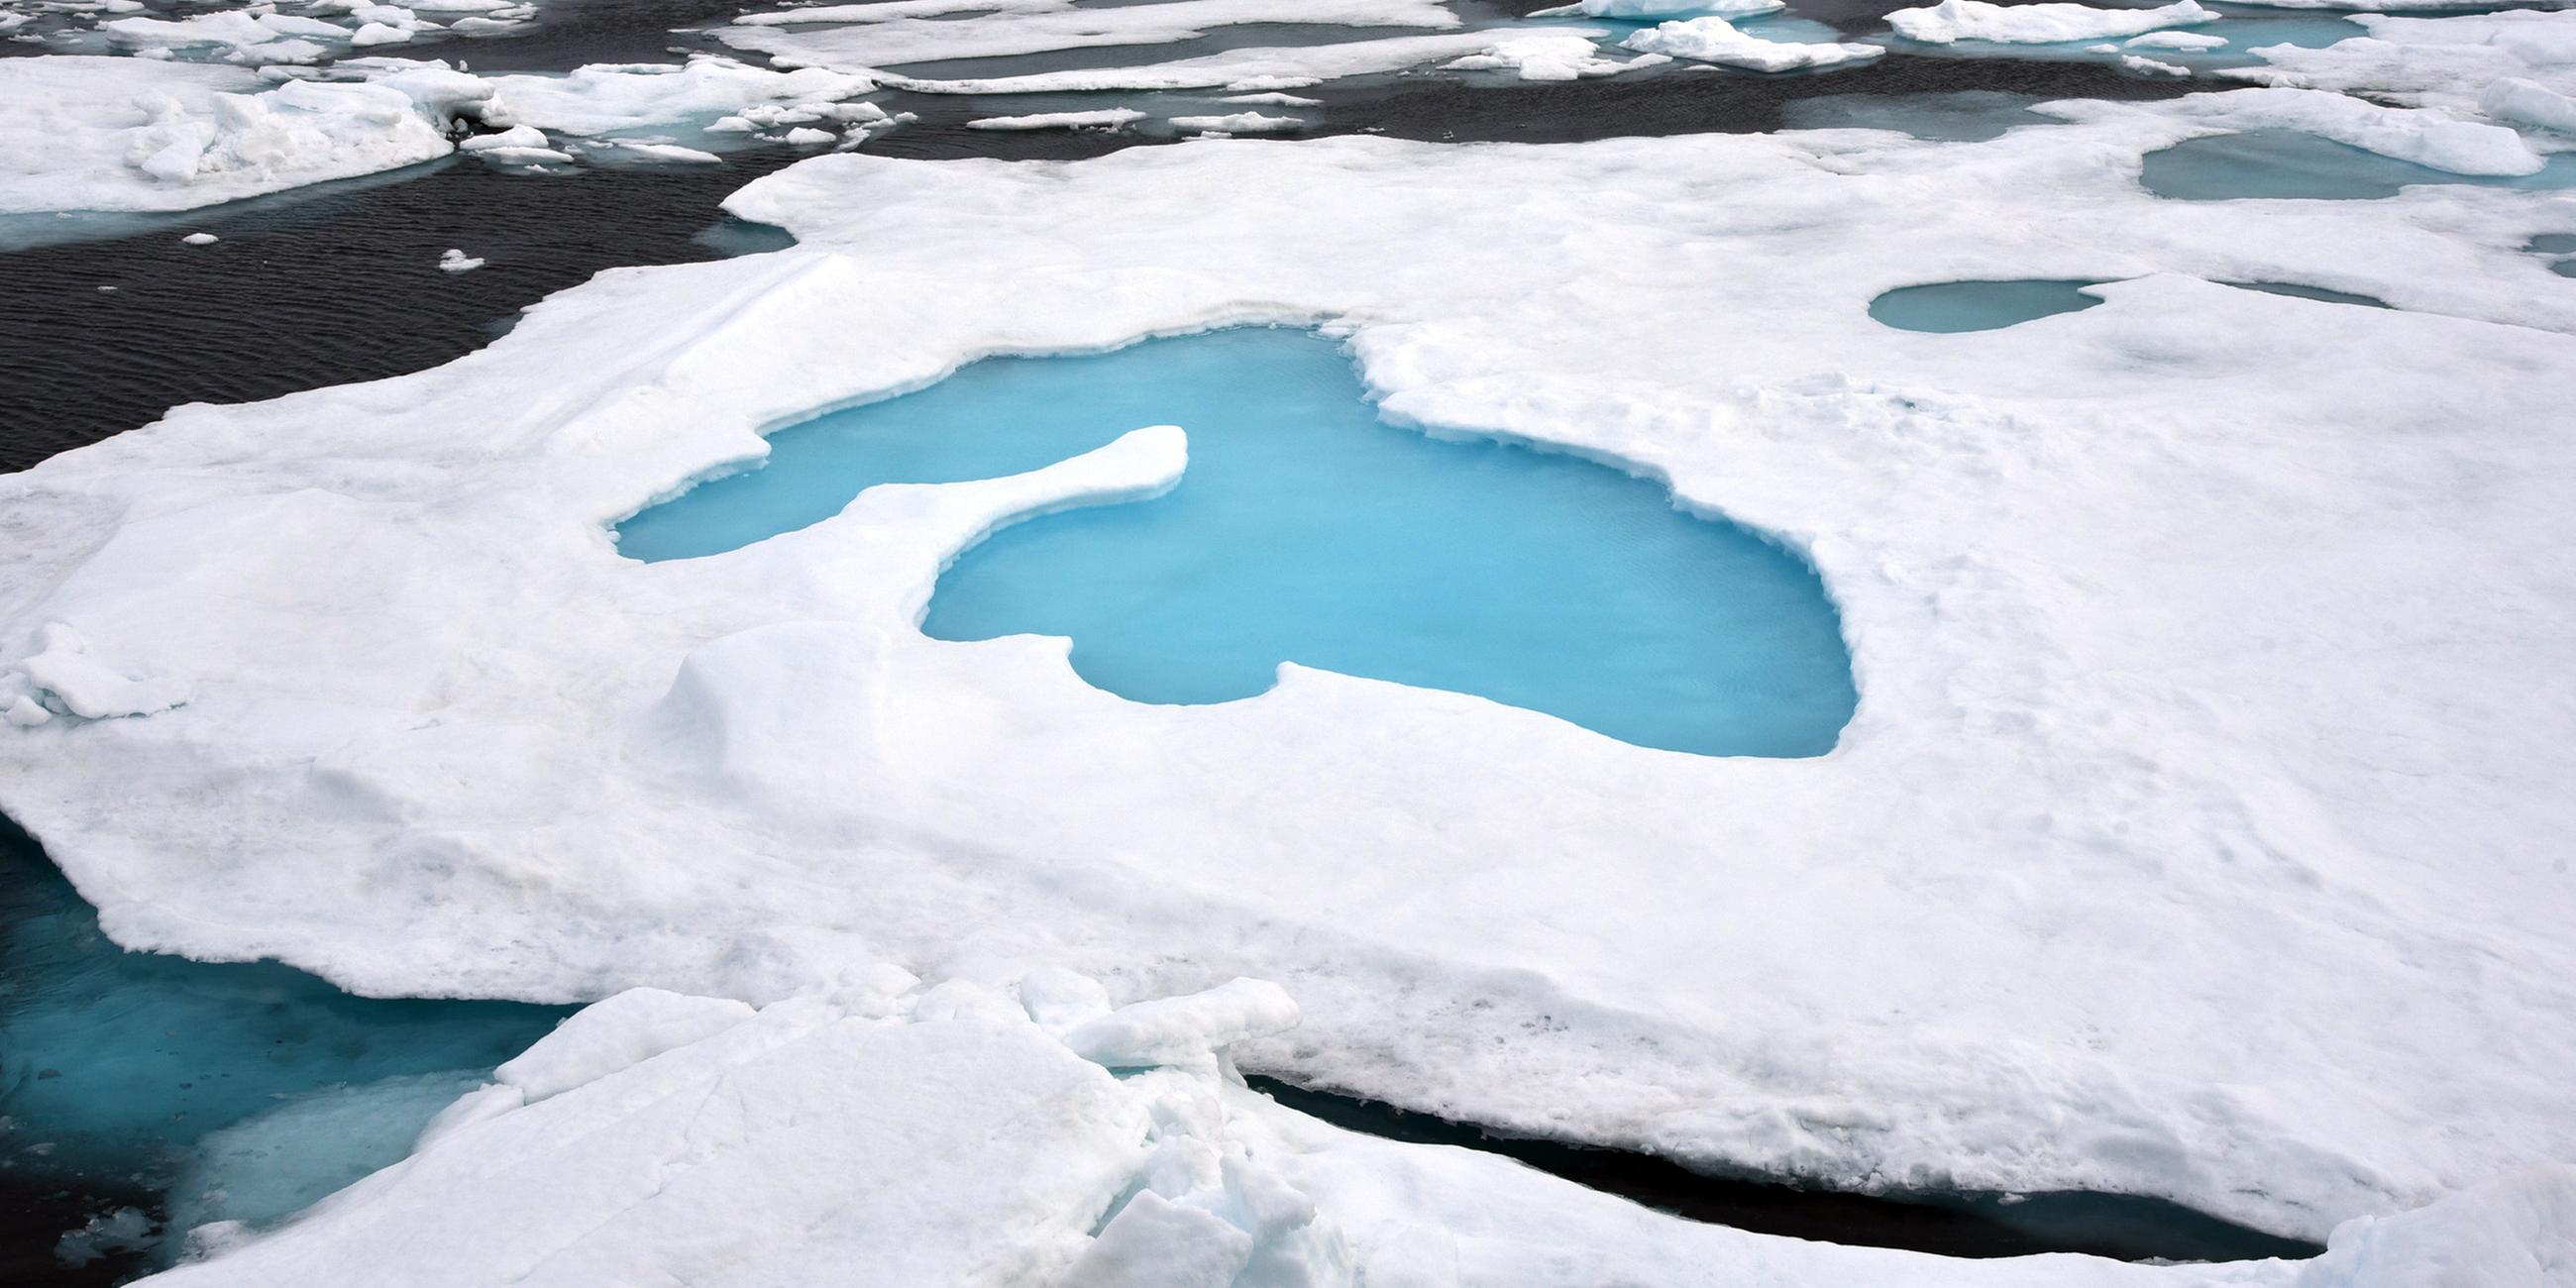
[1633,9]
[1547,58]
[928,1137]
[63,679]
[607,1036]
[2451,64]
[1715,40]
[853,39]
[86,133]
[1240,70]
[2037,24]
[1172,1030]
[1239,123]
[1107,118]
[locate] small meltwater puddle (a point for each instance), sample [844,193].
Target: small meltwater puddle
[2293,164]
[1952,307]
[1307,530]
[1949,308]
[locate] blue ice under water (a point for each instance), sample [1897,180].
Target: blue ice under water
[2296,164]
[242,1091]
[1991,304]
[1308,530]
[1983,305]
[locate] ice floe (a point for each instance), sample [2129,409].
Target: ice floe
[1245,70]
[2037,24]
[872,41]
[888,1132]
[1715,40]
[97,133]
[1106,118]
[1238,123]
[2451,63]
[2134,712]
[1547,58]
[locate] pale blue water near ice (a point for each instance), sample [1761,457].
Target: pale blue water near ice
[2295,164]
[1952,307]
[1308,530]
[1988,305]
[245,1090]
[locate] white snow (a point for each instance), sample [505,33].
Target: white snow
[92,133]
[628,1029]
[62,678]
[874,41]
[2446,63]
[669,152]
[2516,101]
[1669,8]
[604,97]
[1107,118]
[1548,58]
[2037,24]
[2194,836]
[2183,40]
[515,137]
[924,1138]
[2425,137]
[1239,123]
[1173,1030]
[1241,69]
[1715,40]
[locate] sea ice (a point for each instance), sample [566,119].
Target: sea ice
[1715,40]
[1633,9]
[453,260]
[1241,69]
[2037,24]
[2160,857]
[93,133]
[600,98]
[937,1137]
[2446,63]
[885,41]
[1548,58]
[1107,118]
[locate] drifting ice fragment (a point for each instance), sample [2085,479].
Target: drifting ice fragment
[456,261]
[2037,24]
[1172,1030]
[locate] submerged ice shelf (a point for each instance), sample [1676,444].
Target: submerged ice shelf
[239,1091]
[2293,164]
[1952,307]
[1307,530]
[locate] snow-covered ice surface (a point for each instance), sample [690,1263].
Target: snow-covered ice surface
[884,1132]
[2453,63]
[1715,40]
[2037,24]
[2163,855]
[1268,67]
[1107,118]
[94,133]
[862,39]
[255,33]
